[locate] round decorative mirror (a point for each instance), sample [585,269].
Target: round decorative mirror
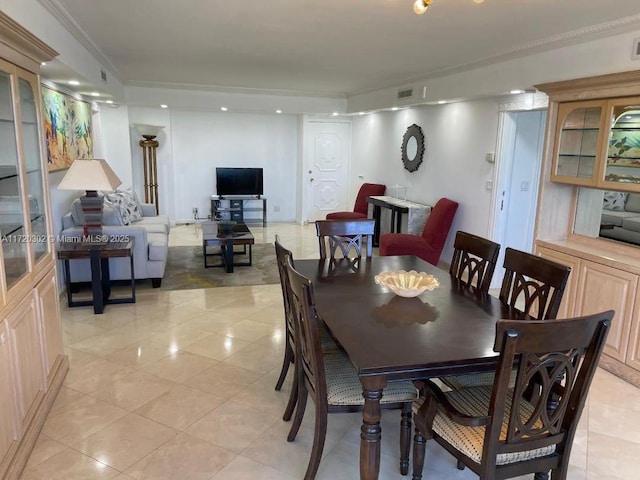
[412,148]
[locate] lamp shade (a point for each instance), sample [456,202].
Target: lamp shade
[148,130]
[90,174]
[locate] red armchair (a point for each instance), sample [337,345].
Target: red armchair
[429,245]
[361,208]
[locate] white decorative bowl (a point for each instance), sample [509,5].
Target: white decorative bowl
[407,284]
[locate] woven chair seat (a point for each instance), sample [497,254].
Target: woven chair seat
[344,387]
[470,440]
[475,380]
[327,343]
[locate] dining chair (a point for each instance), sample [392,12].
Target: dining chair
[500,431]
[430,244]
[345,237]
[474,260]
[361,207]
[533,285]
[284,256]
[331,381]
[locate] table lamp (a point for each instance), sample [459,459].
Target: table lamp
[90,174]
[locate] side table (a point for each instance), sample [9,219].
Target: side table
[99,254]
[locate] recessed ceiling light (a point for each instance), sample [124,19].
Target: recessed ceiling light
[109,102]
[361,113]
[43,63]
[94,94]
[74,82]
[335,114]
[393,109]
[164,106]
[224,109]
[441,102]
[278,111]
[516,91]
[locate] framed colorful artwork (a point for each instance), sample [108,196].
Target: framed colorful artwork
[67,126]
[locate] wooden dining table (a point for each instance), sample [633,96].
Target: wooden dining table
[449,330]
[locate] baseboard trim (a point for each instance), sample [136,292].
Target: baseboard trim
[620,370]
[31,433]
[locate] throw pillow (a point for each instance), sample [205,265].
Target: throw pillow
[614,200]
[127,203]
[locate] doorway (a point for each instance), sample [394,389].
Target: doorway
[325,179]
[518,176]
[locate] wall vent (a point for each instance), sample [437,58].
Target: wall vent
[103,75]
[408,93]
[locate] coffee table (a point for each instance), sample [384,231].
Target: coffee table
[213,237]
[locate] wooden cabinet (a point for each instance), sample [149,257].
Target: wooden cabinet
[601,287]
[25,347]
[569,296]
[249,209]
[597,144]
[32,360]
[8,412]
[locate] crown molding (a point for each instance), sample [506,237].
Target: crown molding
[239,90]
[573,37]
[525,101]
[68,22]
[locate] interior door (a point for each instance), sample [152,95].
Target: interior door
[327,155]
[517,194]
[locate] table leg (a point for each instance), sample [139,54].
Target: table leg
[392,227]
[67,279]
[228,255]
[370,433]
[96,282]
[376,229]
[133,280]
[106,279]
[399,222]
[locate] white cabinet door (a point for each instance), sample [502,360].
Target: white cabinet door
[25,347]
[603,288]
[49,314]
[8,427]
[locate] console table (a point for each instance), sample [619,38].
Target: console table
[417,215]
[100,279]
[235,207]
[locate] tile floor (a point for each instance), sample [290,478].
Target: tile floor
[180,386]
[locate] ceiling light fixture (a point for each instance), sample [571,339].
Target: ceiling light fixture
[164,106]
[335,114]
[94,94]
[278,111]
[420,6]
[516,91]
[441,102]
[74,82]
[109,102]
[393,109]
[224,109]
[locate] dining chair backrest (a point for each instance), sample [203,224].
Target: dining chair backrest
[344,237]
[541,352]
[439,223]
[474,260]
[307,328]
[283,257]
[533,284]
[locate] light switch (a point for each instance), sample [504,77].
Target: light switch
[524,186]
[489,185]
[490,157]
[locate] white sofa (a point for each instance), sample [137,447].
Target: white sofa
[620,218]
[150,234]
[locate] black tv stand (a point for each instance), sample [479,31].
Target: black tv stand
[235,207]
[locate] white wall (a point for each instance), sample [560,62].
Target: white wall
[114,142]
[192,144]
[596,57]
[457,136]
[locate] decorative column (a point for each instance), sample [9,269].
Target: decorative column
[149,146]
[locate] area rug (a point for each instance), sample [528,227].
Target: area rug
[185,269]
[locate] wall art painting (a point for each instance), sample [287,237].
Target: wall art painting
[68,131]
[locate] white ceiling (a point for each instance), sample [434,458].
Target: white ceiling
[327,47]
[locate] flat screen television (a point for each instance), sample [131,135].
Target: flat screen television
[239,181]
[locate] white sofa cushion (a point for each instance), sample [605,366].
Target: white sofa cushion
[158,246]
